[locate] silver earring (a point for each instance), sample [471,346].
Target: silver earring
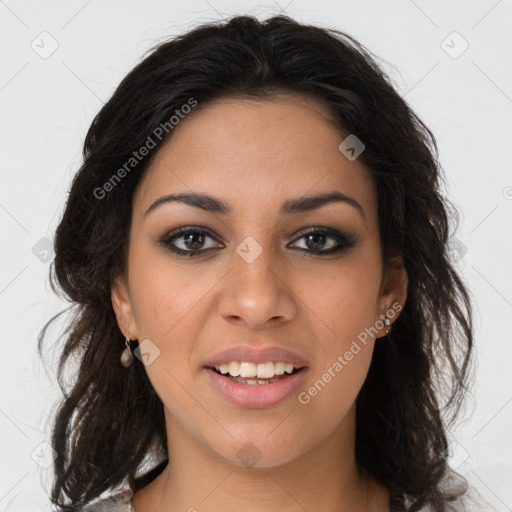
[127,356]
[387,323]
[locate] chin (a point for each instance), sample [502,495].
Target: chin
[254,454]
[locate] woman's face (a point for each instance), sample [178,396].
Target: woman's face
[257,282]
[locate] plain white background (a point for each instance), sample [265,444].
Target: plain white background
[62,60]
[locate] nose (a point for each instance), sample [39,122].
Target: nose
[257,292]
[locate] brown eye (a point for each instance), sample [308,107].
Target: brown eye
[191,239]
[315,241]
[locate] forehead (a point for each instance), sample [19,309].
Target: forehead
[253,153]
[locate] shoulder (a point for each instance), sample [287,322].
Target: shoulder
[120,501]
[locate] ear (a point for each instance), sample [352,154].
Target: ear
[122,304]
[393,292]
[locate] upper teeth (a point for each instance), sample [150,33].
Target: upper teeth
[261,370]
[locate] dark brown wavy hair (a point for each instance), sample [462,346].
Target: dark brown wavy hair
[110,421]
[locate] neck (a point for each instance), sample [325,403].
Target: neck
[324,478]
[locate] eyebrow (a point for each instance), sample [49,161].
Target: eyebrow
[301,204]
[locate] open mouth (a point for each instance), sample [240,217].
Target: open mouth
[256,380]
[256,392]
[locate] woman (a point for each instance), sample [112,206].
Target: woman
[258,235]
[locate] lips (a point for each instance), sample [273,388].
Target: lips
[247,354]
[258,396]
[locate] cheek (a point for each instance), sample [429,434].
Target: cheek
[166,294]
[332,393]
[346,305]
[342,297]
[343,303]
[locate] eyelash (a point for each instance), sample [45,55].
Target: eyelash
[344,242]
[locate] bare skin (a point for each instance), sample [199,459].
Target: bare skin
[254,155]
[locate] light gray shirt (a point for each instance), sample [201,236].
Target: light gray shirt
[120,501]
